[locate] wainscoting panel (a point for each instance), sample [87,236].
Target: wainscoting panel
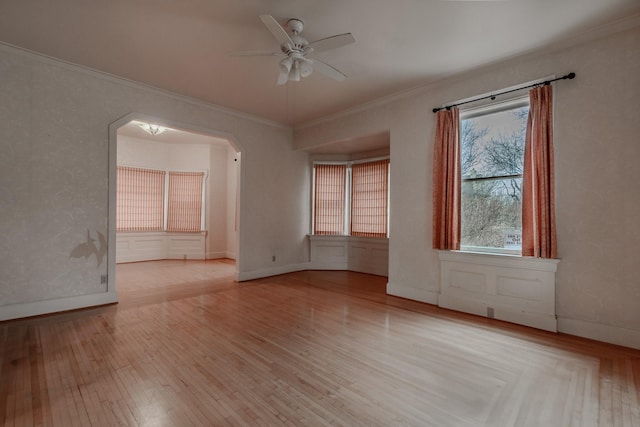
[516,289]
[329,252]
[181,246]
[149,246]
[369,255]
[468,281]
[361,254]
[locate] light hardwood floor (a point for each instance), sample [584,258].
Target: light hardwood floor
[188,346]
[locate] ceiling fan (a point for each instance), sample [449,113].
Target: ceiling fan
[298,61]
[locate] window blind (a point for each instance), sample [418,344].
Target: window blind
[139,199]
[185,202]
[330,197]
[369,198]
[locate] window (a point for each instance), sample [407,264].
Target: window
[369,198]
[185,201]
[351,198]
[329,199]
[141,195]
[139,199]
[492,156]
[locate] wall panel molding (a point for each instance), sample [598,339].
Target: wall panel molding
[511,288]
[362,254]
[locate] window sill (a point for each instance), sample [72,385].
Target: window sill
[150,232]
[347,237]
[490,251]
[500,260]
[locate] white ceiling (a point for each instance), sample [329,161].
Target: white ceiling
[170,136]
[181,45]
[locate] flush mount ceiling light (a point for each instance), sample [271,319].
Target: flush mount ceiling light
[298,62]
[152,129]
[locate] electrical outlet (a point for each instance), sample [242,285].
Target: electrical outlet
[185,257]
[103,279]
[490,313]
[273,258]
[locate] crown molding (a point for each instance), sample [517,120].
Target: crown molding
[627,23]
[7,47]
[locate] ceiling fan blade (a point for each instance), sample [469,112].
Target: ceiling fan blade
[328,70]
[253,53]
[332,42]
[276,29]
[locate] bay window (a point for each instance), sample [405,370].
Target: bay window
[351,198]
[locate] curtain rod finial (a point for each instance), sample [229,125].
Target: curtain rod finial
[571,76]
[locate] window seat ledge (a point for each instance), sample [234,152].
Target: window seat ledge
[321,237]
[155,245]
[500,260]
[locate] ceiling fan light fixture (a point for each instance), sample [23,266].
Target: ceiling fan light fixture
[152,129]
[305,69]
[294,75]
[285,65]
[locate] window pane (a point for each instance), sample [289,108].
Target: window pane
[493,144]
[369,195]
[329,202]
[492,213]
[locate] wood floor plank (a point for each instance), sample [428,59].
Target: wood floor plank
[187,346]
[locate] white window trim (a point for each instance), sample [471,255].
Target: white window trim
[494,107]
[481,110]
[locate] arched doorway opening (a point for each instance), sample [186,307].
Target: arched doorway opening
[181,147]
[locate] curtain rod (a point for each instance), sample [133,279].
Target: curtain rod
[493,96]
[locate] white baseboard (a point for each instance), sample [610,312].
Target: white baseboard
[37,308]
[179,255]
[216,255]
[422,295]
[267,272]
[600,332]
[328,265]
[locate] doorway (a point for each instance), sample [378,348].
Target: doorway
[176,148]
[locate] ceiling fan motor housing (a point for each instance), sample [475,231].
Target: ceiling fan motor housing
[300,44]
[295,25]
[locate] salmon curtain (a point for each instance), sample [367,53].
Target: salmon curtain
[447,181]
[538,202]
[369,198]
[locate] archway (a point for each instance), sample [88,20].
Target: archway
[128,125]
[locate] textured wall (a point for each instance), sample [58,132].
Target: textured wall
[54,172]
[597,147]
